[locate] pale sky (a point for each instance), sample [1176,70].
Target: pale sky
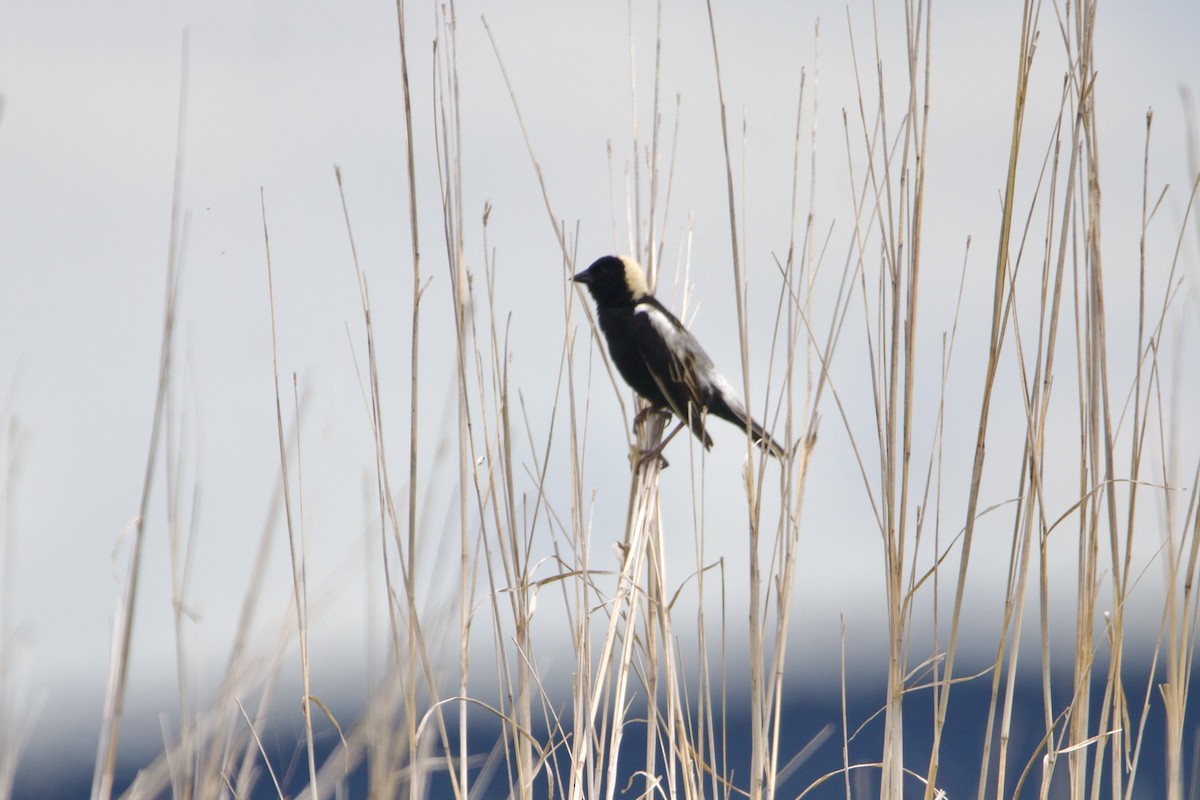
[278,93]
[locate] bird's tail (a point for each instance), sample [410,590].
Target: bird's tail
[763,439]
[737,414]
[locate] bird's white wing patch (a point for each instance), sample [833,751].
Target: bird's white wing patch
[665,326]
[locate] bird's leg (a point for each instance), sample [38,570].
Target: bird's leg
[656,452]
[640,416]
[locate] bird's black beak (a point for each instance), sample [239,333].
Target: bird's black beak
[582,277]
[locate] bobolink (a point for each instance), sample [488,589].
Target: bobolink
[658,357]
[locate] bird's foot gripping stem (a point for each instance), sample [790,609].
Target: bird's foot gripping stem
[641,416]
[645,456]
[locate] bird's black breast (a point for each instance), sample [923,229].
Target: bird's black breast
[618,326]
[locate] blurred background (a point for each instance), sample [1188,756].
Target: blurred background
[277,94]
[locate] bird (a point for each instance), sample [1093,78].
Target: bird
[659,358]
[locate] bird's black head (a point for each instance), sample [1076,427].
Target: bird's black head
[614,281]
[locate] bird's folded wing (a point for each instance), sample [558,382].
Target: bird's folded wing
[673,356]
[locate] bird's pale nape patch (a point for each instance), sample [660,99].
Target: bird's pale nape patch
[635,278]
